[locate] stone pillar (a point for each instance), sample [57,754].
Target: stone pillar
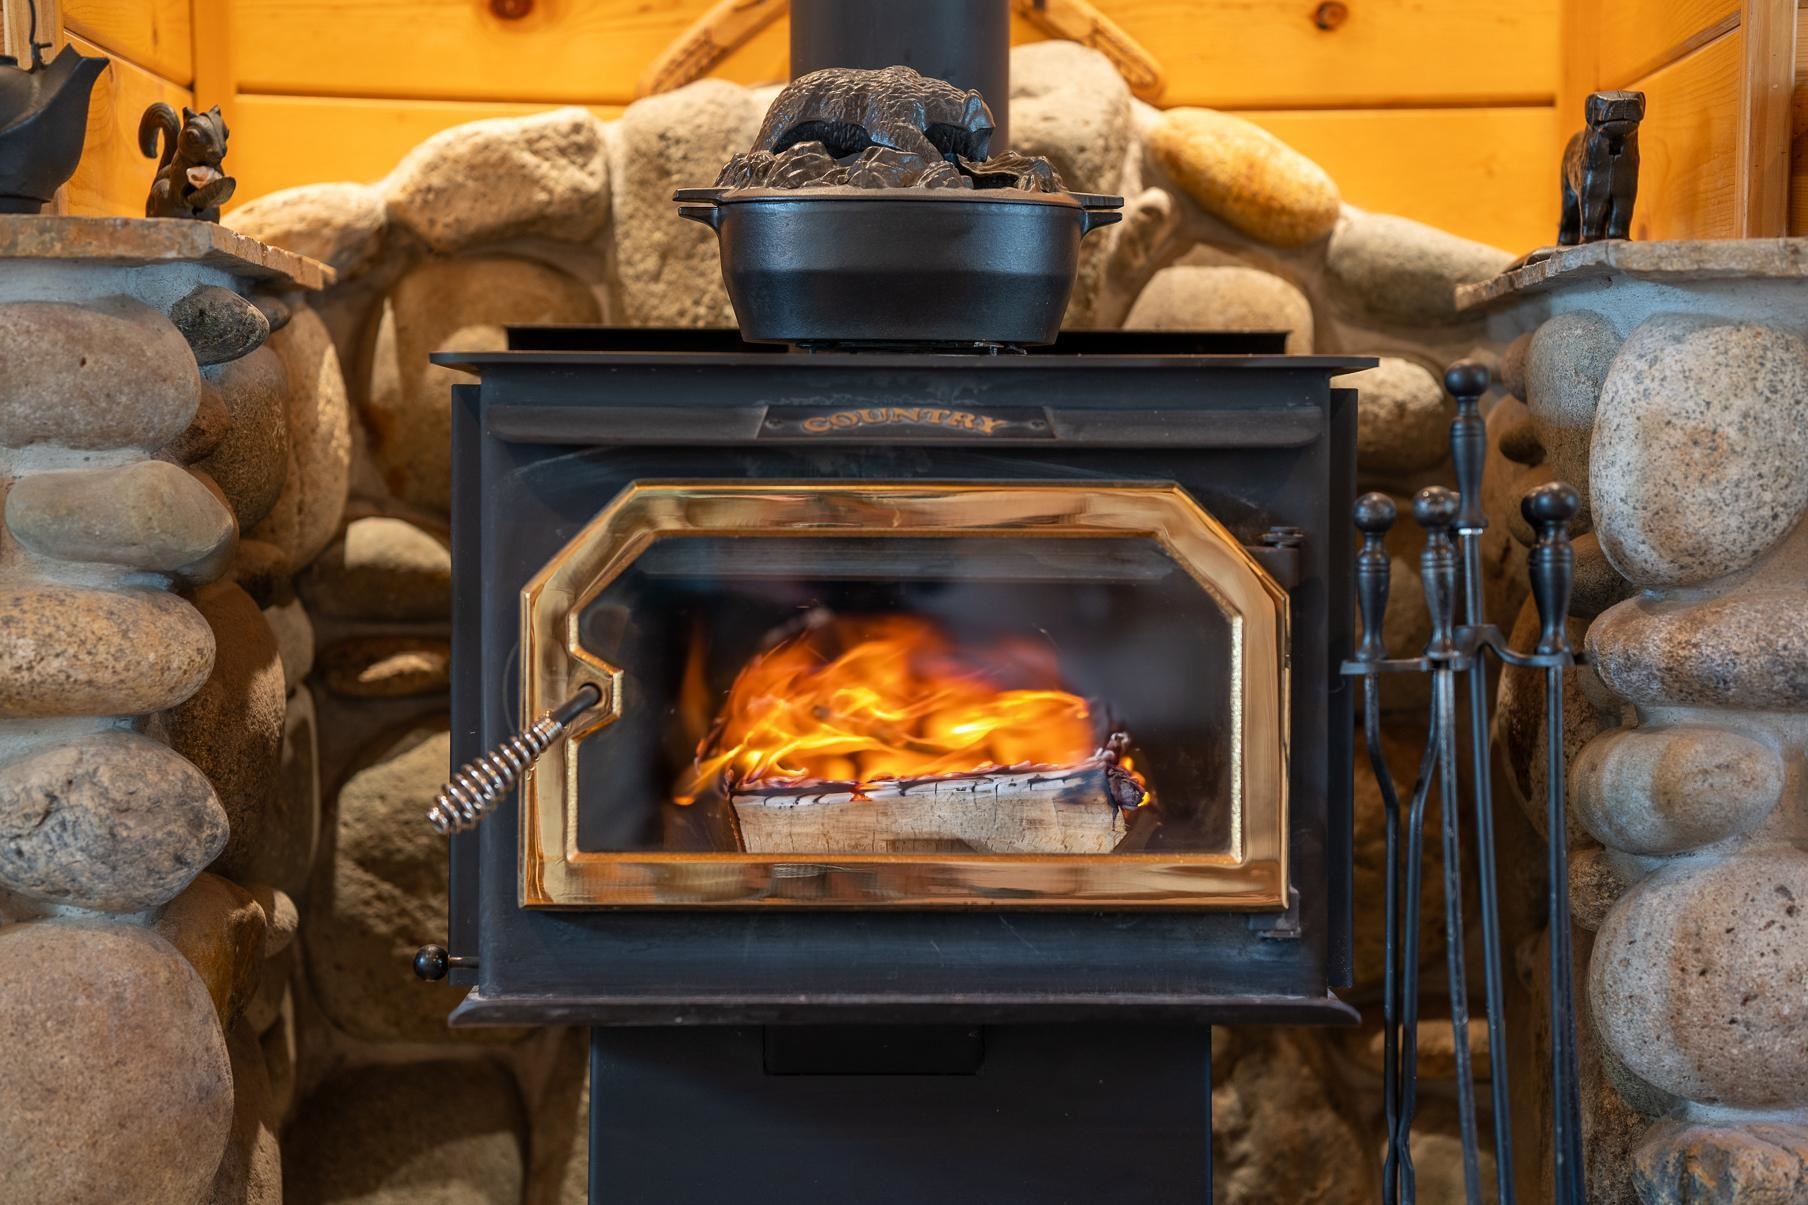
[131,978]
[1672,378]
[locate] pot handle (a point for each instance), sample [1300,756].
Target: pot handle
[709,215]
[1092,219]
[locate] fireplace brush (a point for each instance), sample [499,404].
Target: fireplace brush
[1448,567]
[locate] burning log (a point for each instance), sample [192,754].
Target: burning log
[1071,810]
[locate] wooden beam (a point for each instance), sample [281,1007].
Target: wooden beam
[1763,198]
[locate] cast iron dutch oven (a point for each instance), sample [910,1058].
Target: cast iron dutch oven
[898,265]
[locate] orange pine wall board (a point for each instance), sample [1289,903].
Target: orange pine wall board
[154,34]
[113,177]
[1689,145]
[1489,174]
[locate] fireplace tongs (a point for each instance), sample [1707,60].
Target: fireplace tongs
[481,783]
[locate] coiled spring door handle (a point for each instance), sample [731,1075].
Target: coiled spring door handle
[485,781]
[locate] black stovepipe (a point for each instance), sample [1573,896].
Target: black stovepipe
[1460,649]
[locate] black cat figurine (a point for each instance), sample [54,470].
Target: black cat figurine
[189,181]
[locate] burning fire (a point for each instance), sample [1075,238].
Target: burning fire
[868,699]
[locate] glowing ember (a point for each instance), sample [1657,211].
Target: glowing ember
[874,699]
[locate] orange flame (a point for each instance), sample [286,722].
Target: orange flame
[873,698]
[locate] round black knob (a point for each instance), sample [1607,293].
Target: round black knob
[1467,378]
[1550,503]
[431,963]
[1375,513]
[1435,507]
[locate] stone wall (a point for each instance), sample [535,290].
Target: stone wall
[173,442]
[1672,379]
[560,217]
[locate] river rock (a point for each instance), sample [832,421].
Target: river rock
[1513,365]
[149,515]
[251,461]
[262,571]
[294,633]
[250,1173]
[1242,174]
[385,897]
[1745,650]
[387,667]
[219,928]
[295,812]
[1565,367]
[1188,298]
[668,272]
[546,174]
[360,1138]
[1701,448]
[1070,106]
[1278,1132]
[1759,1162]
[341,225]
[204,432]
[117,1081]
[1402,417]
[105,374]
[1598,585]
[1666,790]
[1696,980]
[383,569]
[114,822]
[1595,886]
[232,727]
[67,650]
[449,305]
[219,324]
[1397,268]
[281,918]
[317,470]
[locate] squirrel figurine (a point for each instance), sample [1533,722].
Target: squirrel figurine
[189,181]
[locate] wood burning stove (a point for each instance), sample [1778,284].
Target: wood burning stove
[883,645]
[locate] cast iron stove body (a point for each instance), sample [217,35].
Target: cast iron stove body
[1167,513]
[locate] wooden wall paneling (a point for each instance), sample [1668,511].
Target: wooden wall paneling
[114,177]
[15,26]
[155,34]
[283,141]
[1798,125]
[1637,37]
[1763,202]
[1579,62]
[1496,169]
[1689,145]
[1215,52]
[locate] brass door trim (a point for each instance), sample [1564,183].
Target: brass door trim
[554,664]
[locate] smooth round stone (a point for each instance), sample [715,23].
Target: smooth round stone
[305,515]
[68,650]
[232,727]
[670,273]
[1700,460]
[504,177]
[1070,105]
[341,225]
[149,515]
[250,1172]
[114,822]
[1398,268]
[1594,887]
[105,374]
[1402,417]
[117,1081]
[387,667]
[1522,728]
[1188,298]
[383,569]
[250,462]
[1666,790]
[219,324]
[448,1132]
[204,431]
[1699,980]
[1245,176]
[294,633]
[1565,367]
[1597,584]
[1513,366]
[1744,650]
[449,305]
[219,928]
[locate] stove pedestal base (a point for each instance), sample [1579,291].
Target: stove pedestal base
[901,1114]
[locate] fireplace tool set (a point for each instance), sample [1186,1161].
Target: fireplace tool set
[1451,569]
